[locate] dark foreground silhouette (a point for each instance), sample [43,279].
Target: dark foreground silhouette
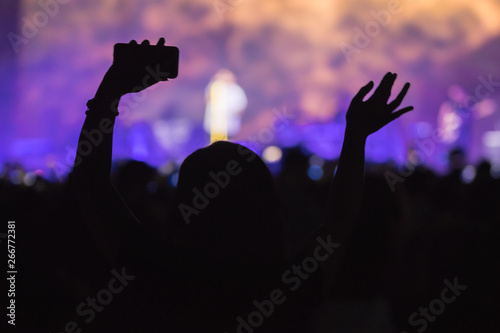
[219,262]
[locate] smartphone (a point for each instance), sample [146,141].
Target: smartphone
[167,57]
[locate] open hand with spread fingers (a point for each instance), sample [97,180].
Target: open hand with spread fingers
[367,117]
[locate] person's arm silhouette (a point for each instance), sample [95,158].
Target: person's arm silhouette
[105,213]
[364,117]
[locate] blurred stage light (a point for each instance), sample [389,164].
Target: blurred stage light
[272,154]
[495,170]
[315,172]
[16,177]
[167,168]
[456,93]
[316,160]
[468,174]
[173,179]
[29,179]
[449,123]
[485,108]
[491,139]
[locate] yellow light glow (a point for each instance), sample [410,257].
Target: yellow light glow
[218,112]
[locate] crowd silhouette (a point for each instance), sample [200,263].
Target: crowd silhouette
[231,248]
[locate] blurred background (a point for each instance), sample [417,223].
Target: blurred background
[303,60]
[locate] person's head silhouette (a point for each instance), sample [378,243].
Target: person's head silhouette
[227,209]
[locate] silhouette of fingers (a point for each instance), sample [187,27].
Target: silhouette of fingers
[397,114]
[383,91]
[133,42]
[397,102]
[363,91]
[161,42]
[145,42]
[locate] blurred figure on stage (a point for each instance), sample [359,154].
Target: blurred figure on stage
[226,102]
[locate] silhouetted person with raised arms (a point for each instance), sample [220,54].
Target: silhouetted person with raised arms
[220,264]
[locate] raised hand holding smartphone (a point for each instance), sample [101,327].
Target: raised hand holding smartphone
[138,66]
